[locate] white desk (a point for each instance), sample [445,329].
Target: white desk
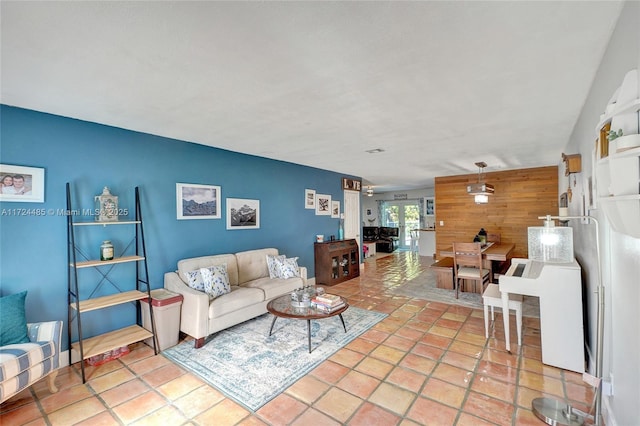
[559,287]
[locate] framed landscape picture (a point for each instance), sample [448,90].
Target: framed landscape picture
[243,213]
[194,201]
[309,199]
[21,184]
[335,209]
[323,204]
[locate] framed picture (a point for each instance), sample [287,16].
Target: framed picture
[564,200]
[243,214]
[309,199]
[323,204]
[21,184]
[195,201]
[335,209]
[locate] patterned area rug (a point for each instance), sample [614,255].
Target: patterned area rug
[424,287]
[251,367]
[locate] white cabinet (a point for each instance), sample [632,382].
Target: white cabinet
[427,242]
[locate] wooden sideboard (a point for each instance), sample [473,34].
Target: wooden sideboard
[336,261]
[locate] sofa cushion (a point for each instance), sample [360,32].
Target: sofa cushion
[275,287]
[252,264]
[196,263]
[215,280]
[15,359]
[194,279]
[288,268]
[13,324]
[237,299]
[273,264]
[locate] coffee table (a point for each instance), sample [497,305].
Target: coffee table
[281,307]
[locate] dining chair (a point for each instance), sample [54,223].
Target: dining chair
[467,265]
[493,238]
[414,239]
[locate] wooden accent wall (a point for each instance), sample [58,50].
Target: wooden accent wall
[520,197]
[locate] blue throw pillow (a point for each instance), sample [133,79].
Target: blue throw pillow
[13,322]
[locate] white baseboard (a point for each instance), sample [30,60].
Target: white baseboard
[607,412]
[64,358]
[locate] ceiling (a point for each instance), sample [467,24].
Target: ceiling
[437,86]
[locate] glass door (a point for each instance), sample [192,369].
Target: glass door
[405,215]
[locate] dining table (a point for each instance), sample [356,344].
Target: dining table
[492,252]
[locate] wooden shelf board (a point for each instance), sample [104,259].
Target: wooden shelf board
[112,340]
[94,263]
[111,300]
[115,222]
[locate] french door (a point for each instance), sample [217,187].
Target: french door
[405,215]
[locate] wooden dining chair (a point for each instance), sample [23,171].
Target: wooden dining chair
[493,238]
[467,265]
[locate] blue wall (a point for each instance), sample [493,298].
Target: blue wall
[33,249]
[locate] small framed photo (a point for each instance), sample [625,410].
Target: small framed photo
[194,201]
[323,204]
[243,213]
[309,199]
[21,184]
[335,209]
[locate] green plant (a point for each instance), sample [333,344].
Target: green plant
[613,134]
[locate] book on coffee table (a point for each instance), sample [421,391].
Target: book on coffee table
[328,299]
[328,309]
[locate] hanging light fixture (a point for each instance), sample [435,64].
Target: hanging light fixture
[480,190]
[369,191]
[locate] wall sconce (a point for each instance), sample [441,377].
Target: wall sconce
[480,190]
[369,191]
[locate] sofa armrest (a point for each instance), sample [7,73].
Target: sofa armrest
[49,331]
[303,274]
[194,315]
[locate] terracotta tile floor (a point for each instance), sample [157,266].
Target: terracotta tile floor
[426,363]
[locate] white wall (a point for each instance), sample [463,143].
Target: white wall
[620,253]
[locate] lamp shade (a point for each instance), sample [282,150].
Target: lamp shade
[551,244]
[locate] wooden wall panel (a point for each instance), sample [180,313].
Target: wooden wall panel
[520,197]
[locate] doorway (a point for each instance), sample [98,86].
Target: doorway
[352,215]
[405,215]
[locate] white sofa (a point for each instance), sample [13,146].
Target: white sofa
[23,364]
[251,290]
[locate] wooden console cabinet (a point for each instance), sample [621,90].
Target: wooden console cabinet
[336,261]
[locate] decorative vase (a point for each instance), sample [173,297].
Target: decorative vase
[106,250]
[106,206]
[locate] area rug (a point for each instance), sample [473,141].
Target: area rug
[251,367]
[424,287]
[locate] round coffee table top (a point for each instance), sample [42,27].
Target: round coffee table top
[282,307]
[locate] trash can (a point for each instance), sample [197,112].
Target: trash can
[166,314]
